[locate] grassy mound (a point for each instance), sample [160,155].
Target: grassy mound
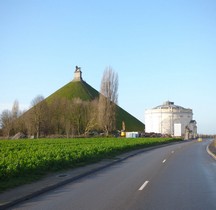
[82,90]
[73,90]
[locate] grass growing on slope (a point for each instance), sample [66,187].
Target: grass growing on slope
[82,90]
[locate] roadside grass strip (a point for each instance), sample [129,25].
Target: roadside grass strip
[24,161]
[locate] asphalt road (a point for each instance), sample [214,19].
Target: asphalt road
[175,177]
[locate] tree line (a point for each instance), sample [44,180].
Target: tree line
[65,117]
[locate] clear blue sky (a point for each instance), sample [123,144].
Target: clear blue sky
[161,49]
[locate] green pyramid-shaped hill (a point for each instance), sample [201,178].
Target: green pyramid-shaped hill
[75,89]
[81,89]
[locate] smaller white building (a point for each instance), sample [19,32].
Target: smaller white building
[133,134]
[171,119]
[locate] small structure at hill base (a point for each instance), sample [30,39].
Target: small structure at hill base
[19,135]
[133,134]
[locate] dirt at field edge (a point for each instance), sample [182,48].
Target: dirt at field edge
[212,147]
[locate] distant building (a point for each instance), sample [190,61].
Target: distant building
[132,134]
[172,120]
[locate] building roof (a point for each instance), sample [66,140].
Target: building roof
[169,105]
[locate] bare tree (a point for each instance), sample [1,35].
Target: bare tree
[38,114]
[9,120]
[108,100]
[15,114]
[67,117]
[6,122]
[77,115]
[58,113]
[15,110]
[90,113]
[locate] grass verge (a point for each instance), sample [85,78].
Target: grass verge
[212,147]
[24,161]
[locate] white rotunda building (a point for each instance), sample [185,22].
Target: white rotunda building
[171,119]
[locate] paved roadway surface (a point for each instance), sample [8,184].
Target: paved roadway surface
[175,177]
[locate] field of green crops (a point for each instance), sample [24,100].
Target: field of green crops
[23,160]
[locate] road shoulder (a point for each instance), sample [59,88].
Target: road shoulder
[211,149]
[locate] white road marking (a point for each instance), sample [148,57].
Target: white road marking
[172,151]
[144,185]
[164,160]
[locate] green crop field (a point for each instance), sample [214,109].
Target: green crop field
[22,161]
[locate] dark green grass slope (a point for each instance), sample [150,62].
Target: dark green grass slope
[82,90]
[131,123]
[73,90]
